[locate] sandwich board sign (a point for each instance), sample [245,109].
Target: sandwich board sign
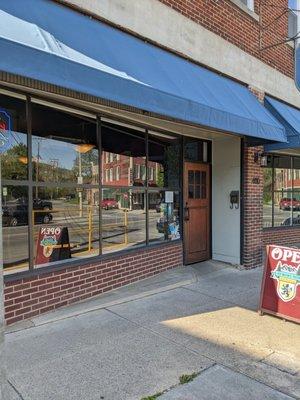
[53,244]
[280,291]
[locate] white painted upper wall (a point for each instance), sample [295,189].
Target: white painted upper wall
[226,177]
[163,25]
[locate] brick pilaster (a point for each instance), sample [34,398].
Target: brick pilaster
[253,209]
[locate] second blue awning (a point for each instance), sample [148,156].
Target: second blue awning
[46,41]
[289,117]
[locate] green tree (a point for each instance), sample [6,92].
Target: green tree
[14,162]
[267,196]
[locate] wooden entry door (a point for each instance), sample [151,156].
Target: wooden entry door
[196,212]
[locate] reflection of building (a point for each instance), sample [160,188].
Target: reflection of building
[120,170]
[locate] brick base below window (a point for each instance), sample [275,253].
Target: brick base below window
[282,237]
[31,296]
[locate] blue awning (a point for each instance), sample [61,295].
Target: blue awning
[43,40]
[289,117]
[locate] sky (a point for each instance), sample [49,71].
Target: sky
[292,3]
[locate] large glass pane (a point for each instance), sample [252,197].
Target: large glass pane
[13,127]
[163,216]
[284,204]
[283,177]
[64,147]
[123,218]
[123,157]
[15,228]
[296,205]
[267,198]
[164,161]
[66,224]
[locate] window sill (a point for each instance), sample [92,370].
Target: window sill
[247,10]
[281,228]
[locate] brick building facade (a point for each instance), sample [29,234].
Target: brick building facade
[227,37]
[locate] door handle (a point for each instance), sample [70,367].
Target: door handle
[186,212]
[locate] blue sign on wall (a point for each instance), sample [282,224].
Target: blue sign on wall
[5,130]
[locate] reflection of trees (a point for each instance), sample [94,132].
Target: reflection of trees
[267,196]
[13,166]
[87,161]
[168,172]
[52,173]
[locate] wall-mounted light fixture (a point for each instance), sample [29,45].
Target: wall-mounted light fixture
[261,158]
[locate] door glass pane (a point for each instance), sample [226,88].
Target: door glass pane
[15,228]
[203,184]
[197,192]
[197,177]
[191,191]
[191,177]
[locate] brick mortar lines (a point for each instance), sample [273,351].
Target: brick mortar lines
[227,20]
[30,297]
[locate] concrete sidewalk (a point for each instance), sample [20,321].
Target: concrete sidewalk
[137,341]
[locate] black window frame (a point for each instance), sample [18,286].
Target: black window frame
[290,192]
[31,184]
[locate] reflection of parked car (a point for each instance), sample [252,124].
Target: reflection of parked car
[70,196]
[288,203]
[109,204]
[289,221]
[17,213]
[39,204]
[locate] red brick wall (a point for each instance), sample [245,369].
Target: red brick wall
[227,20]
[281,237]
[35,295]
[253,209]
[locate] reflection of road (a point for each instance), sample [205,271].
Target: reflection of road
[15,239]
[279,215]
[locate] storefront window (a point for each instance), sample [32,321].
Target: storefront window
[281,192]
[64,147]
[65,224]
[124,156]
[68,204]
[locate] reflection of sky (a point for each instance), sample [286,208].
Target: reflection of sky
[51,149]
[17,138]
[293,4]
